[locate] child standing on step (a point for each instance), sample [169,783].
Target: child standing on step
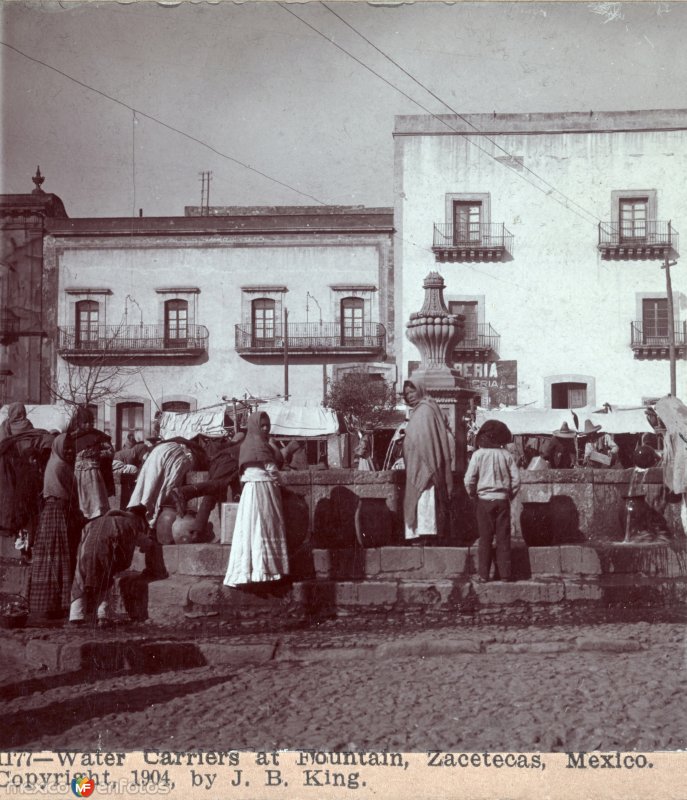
[493,478]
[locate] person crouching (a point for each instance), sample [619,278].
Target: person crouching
[107,548]
[493,478]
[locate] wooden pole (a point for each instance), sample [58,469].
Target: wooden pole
[286,354]
[671,324]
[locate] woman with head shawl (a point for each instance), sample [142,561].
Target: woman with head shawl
[258,548]
[16,421]
[428,450]
[57,537]
[93,467]
[24,452]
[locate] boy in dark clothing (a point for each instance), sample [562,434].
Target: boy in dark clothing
[493,478]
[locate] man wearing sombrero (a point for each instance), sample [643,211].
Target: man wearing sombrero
[560,451]
[598,444]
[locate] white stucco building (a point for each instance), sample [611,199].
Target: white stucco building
[180,311]
[550,231]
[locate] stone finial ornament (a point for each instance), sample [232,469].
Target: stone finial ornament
[38,179]
[432,329]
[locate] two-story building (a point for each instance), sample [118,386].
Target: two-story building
[551,231]
[175,313]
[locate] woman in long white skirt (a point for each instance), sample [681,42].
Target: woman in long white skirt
[258,548]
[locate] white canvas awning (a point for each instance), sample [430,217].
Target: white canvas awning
[209,422]
[544,421]
[300,420]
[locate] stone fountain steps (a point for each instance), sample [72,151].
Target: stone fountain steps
[549,582]
[436,579]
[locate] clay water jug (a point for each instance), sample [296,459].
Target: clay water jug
[163,526]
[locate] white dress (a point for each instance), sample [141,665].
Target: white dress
[426,522]
[258,548]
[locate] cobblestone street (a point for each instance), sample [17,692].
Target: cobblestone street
[621,686]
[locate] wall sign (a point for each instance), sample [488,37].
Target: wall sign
[495,381]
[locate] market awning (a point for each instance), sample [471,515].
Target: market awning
[544,421]
[300,420]
[209,422]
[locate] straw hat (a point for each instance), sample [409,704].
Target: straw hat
[564,432]
[590,428]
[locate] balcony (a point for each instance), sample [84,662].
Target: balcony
[480,343]
[653,343]
[113,342]
[313,339]
[488,241]
[650,239]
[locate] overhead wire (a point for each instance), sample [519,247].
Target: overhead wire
[595,219]
[459,115]
[164,124]
[426,110]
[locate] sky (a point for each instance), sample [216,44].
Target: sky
[255,84]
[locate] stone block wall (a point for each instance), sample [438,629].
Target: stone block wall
[585,503]
[320,505]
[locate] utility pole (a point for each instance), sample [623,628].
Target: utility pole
[286,354]
[667,264]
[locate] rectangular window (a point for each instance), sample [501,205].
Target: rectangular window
[655,319]
[129,420]
[467,218]
[87,318]
[469,310]
[263,321]
[568,395]
[633,218]
[176,323]
[352,312]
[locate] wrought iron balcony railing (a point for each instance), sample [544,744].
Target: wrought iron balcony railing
[132,340]
[486,241]
[652,341]
[479,339]
[650,238]
[311,337]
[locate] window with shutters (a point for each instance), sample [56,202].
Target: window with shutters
[655,318]
[568,395]
[263,321]
[129,420]
[633,218]
[176,323]
[87,319]
[467,219]
[352,320]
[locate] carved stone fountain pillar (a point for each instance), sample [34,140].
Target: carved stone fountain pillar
[435,333]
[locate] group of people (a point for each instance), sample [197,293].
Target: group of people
[78,544]
[56,489]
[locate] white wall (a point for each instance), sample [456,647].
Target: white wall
[135,267]
[558,307]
